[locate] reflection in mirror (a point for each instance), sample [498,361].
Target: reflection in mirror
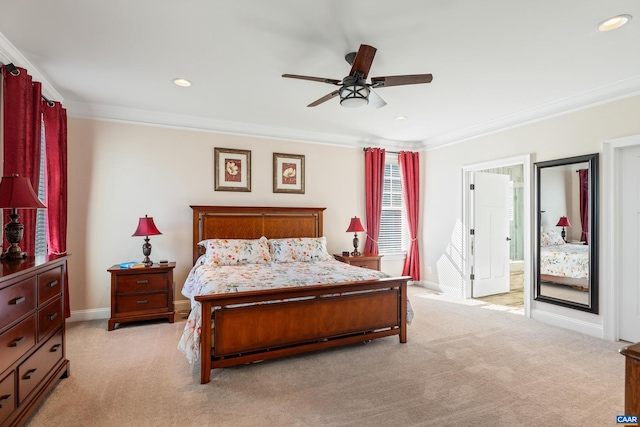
[566,250]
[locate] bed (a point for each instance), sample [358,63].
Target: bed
[564,263]
[254,324]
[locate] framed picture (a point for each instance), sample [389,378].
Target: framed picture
[288,173]
[232,169]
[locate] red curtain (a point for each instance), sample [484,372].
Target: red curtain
[373,183]
[55,128]
[22,124]
[584,204]
[410,171]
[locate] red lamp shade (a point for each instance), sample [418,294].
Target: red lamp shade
[563,222]
[16,192]
[355,225]
[146,227]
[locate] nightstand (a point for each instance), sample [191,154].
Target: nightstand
[365,260]
[141,293]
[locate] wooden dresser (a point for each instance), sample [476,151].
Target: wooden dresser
[632,379]
[365,260]
[141,293]
[32,329]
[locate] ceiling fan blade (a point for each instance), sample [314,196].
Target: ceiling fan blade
[314,79]
[324,99]
[401,80]
[362,62]
[375,101]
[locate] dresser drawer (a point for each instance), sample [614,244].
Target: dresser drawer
[7,396]
[49,284]
[143,282]
[143,302]
[36,367]
[17,300]
[49,318]
[18,340]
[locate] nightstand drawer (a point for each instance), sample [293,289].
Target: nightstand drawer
[17,300]
[142,282]
[49,284]
[372,264]
[141,302]
[36,367]
[15,342]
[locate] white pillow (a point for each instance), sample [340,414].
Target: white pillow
[551,238]
[236,251]
[299,249]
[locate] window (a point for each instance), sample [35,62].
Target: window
[394,235]
[41,220]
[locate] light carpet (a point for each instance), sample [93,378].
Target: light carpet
[465,363]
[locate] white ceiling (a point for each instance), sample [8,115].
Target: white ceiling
[496,63]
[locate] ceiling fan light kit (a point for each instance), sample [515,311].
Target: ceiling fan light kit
[354,90]
[354,93]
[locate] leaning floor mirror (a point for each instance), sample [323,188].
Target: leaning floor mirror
[566,255]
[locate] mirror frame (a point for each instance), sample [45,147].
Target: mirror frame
[592,160]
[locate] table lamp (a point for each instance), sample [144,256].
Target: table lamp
[563,222]
[146,228]
[354,227]
[16,193]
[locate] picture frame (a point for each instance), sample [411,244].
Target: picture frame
[232,169]
[288,173]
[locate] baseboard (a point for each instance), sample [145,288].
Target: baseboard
[569,323]
[93,314]
[181,306]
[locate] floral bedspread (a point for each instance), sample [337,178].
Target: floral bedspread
[565,261]
[207,280]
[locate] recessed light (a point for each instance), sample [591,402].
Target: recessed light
[400,118]
[182,82]
[614,22]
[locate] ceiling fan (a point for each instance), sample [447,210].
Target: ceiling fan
[354,90]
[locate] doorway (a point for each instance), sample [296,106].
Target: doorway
[621,295]
[517,169]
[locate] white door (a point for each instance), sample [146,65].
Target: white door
[630,254]
[491,234]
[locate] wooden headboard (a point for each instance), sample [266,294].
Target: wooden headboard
[253,222]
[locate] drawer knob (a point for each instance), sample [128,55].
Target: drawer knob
[364,266]
[29,373]
[17,301]
[142,282]
[17,342]
[52,284]
[55,348]
[52,316]
[142,301]
[4,399]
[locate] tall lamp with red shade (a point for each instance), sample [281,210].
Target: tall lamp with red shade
[355,226]
[16,193]
[146,228]
[563,222]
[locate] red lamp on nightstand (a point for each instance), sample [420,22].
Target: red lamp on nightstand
[146,228]
[354,227]
[563,222]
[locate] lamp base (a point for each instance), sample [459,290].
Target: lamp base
[356,242]
[13,253]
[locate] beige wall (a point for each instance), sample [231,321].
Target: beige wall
[572,134]
[120,172]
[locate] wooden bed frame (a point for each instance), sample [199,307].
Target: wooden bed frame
[331,316]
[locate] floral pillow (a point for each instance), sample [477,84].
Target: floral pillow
[236,251]
[300,249]
[551,238]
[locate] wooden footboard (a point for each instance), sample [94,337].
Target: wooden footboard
[297,320]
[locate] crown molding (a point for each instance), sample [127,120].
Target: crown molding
[129,115]
[9,54]
[602,95]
